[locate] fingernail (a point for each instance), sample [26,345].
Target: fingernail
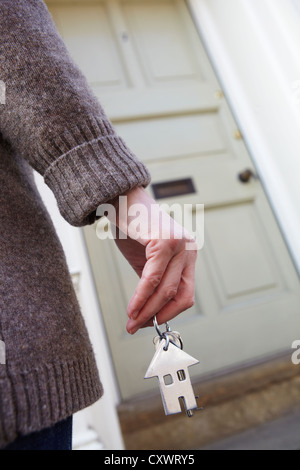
[132,327]
[133,331]
[134,315]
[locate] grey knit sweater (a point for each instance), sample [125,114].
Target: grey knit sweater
[51,122]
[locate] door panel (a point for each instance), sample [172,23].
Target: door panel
[87,32]
[147,65]
[242,230]
[175,136]
[160,38]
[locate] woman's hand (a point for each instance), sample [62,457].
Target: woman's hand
[164,256]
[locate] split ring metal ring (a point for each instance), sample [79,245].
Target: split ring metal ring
[167,338]
[161,335]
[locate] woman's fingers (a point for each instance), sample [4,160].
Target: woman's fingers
[184,299]
[174,294]
[152,275]
[158,253]
[164,293]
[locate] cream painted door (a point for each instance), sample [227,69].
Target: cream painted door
[146,63]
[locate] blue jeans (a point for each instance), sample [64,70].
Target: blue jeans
[58,437]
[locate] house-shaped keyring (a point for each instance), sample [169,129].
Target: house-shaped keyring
[171,367]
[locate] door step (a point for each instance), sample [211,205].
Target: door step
[233,403]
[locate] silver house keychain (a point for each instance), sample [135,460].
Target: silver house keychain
[170,365]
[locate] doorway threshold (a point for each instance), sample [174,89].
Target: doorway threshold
[233,403]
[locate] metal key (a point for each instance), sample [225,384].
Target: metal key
[170,364]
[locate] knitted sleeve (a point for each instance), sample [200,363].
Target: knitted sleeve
[53,120]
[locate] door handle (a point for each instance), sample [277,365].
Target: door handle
[246,175]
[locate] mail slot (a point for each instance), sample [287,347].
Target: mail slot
[173,188]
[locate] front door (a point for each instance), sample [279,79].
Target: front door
[147,64]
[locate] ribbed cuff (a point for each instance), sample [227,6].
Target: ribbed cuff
[89,166]
[36,400]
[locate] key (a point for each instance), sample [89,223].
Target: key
[170,365]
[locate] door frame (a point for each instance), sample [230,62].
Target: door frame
[264,31]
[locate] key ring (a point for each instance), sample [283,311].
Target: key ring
[163,335]
[167,335]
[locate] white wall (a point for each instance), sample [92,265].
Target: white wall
[254,46]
